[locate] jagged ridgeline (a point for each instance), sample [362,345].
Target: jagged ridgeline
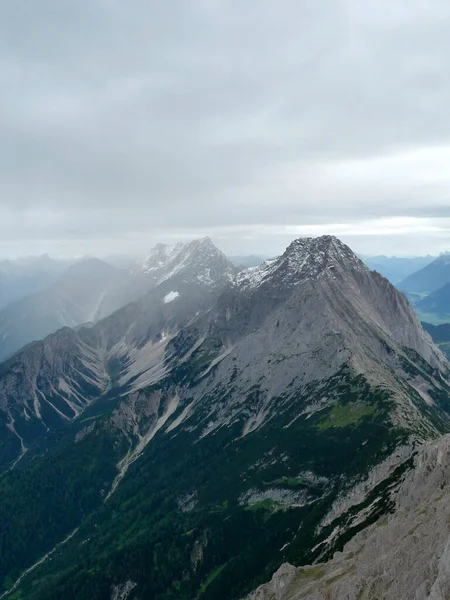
[223,424]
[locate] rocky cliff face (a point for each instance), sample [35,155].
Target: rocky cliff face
[50,383]
[196,262]
[91,290]
[299,319]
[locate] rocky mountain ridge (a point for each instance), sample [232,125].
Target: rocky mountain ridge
[304,259]
[185,262]
[91,290]
[51,382]
[199,259]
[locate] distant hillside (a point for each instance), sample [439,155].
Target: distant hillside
[436,306]
[396,268]
[430,278]
[72,299]
[24,276]
[440,335]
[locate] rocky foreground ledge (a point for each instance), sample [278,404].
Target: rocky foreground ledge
[405,555]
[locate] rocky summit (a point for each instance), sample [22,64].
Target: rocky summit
[226,426]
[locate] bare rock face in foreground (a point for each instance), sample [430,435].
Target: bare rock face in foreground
[404,555]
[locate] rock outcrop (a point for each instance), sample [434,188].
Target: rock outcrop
[406,554]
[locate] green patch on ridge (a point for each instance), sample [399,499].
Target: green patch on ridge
[314,572]
[211,578]
[349,414]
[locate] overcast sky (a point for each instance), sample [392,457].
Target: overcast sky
[252,121]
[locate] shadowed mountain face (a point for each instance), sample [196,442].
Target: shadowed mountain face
[440,335]
[436,305]
[72,299]
[276,409]
[22,277]
[51,382]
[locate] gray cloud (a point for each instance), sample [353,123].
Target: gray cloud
[151,120]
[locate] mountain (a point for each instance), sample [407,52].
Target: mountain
[92,289]
[50,382]
[72,299]
[120,261]
[198,260]
[25,276]
[429,278]
[278,409]
[396,268]
[436,306]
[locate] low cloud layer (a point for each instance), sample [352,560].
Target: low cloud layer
[127,123]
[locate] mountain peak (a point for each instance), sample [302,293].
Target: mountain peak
[313,256]
[200,260]
[203,245]
[305,258]
[325,245]
[88,267]
[204,241]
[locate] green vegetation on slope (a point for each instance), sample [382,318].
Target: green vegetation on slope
[348,414]
[182,523]
[47,497]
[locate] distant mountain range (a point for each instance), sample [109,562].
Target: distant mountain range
[428,279]
[435,306]
[395,268]
[221,425]
[440,335]
[91,289]
[25,276]
[429,290]
[72,298]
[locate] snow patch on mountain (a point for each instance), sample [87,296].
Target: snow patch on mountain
[170,297]
[159,256]
[254,276]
